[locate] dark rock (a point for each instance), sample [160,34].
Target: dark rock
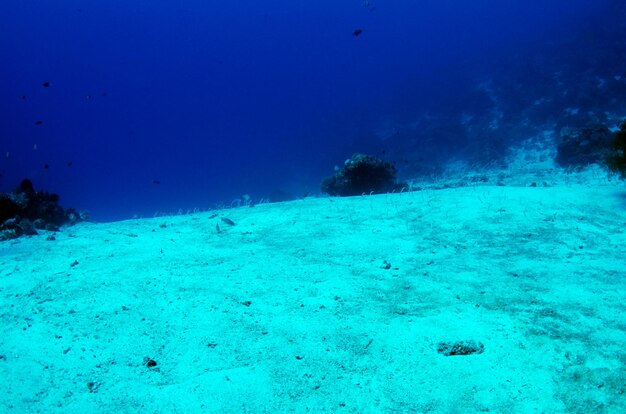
[617,158]
[93,386]
[149,362]
[362,174]
[16,227]
[8,208]
[8,234]
[584,146]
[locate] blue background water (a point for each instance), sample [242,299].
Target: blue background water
[218,99]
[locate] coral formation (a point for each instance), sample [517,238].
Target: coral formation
[580,147]
[25,210]
[362,174]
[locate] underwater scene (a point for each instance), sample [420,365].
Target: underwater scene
[357,206]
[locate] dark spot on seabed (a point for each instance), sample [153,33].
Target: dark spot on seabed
[357,32]
[460,348]
[46,84]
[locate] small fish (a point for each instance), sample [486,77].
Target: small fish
[156,182]
[69,163]
[46,84]
[46,166]
[38,122]
[228,221]
[357,32]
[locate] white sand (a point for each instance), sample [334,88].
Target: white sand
[293,309]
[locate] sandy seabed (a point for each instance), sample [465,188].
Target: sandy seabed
[327,305]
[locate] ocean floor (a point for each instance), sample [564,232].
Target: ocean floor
[481,298]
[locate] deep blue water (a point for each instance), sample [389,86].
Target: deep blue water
[215,99]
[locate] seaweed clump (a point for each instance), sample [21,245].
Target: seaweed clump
[616,161]
[25,210]
[362,174]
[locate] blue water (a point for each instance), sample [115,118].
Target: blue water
[163,105]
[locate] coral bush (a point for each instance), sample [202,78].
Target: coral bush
[25,210]
[362,174]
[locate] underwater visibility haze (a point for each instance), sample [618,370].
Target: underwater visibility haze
[130,107]
[356,206]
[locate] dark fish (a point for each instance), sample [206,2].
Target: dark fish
[69,163]
[23,96]
[156,182]
[228,221]
[46,84]
[357,32]
[46,166]
[88,96]
[38,122]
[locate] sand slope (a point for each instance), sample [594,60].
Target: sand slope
[335,305]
